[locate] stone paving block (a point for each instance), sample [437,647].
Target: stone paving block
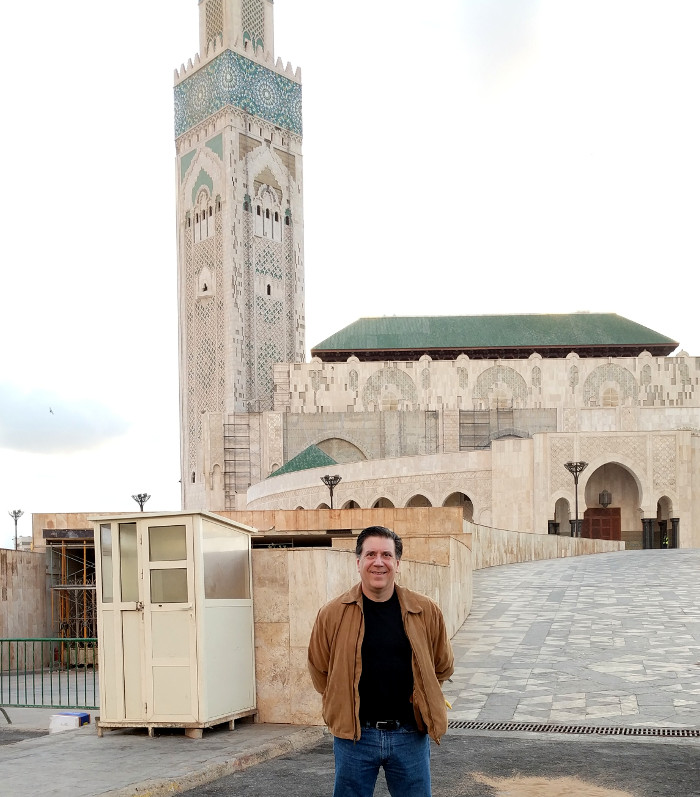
[613,647]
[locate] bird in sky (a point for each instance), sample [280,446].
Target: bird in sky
[51,411]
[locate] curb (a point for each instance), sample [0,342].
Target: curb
[217,768]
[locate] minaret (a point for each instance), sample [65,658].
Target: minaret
[238,139]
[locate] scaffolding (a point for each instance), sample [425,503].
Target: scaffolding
[71,568]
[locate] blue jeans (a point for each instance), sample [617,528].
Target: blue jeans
[404,754]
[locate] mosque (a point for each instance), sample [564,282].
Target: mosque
[584,423]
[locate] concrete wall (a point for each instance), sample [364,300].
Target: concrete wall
[22,594]
[60,520]
[417,521]
[491,547]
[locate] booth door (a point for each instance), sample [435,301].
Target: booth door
[122,638]
[168,589]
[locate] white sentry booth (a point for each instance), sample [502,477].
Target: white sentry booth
[174,621]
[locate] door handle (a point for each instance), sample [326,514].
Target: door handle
[139,606]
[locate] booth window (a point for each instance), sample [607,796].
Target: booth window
[128,562]
[107,572]
[226,563]
[167,543]
[169,586]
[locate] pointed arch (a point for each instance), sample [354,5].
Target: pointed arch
[264,167]
[204,171]
[501,381]
[605,379]
[384,379]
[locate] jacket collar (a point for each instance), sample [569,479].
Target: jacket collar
[406,598]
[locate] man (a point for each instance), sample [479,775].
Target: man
[379,654]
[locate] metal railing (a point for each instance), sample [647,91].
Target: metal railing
[50,672]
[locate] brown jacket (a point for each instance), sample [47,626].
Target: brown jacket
[335,661]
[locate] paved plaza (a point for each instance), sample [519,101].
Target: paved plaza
[609,639]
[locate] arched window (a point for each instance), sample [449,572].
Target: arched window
[611,397]
[267,222]
[203,226]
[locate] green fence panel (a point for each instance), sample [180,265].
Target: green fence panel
[49,672]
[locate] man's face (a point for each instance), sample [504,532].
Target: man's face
[377,567]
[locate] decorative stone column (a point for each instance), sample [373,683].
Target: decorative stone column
[673,538]
[647,532]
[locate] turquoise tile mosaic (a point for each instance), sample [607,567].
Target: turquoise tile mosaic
[232,79]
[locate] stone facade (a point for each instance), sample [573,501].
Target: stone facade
[240,239]
[498,434]
[22,594]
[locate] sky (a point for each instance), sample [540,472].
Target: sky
[462,157]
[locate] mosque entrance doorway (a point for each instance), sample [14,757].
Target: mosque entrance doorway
[612,503]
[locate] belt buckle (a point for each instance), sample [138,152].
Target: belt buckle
[387,725]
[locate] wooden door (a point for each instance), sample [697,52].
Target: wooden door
[602,524]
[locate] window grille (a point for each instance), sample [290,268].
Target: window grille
[214,16]
[253,21]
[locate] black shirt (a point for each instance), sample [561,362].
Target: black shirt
[386,683]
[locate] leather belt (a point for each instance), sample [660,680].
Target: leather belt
[384,725]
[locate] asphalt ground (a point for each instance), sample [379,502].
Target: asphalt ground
[498,765]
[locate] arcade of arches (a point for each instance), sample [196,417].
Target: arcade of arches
[417,500]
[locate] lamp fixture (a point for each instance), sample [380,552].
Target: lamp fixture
[575,469]
[605,498]
[331,482]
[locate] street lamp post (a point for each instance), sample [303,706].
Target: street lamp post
[331,482]
[16,514]
[575,469]
[141,499]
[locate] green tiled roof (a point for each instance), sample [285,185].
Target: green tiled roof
[492,332]
[311,457]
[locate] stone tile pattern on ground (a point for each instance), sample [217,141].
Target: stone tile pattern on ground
[589,640]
